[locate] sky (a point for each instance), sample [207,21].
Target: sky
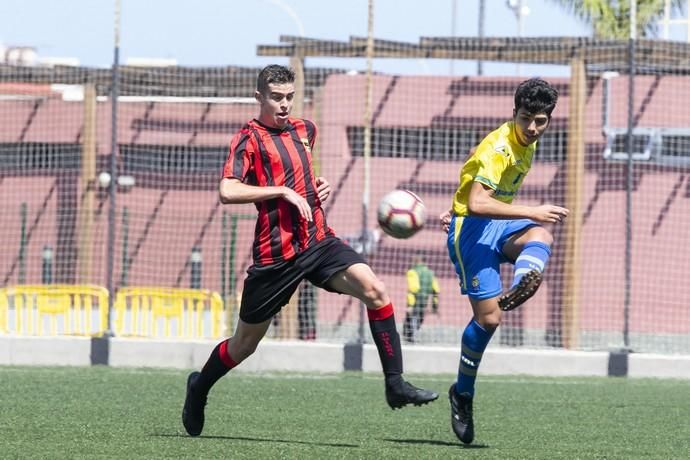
[227,32]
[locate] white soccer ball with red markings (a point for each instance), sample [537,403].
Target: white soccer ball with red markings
[401,214]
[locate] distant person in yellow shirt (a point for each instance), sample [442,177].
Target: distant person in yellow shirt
[421,286]
[485,230]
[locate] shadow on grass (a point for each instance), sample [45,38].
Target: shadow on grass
[437,443]
[245,438]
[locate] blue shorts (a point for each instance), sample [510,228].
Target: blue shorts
[475,248]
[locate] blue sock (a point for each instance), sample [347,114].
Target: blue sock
[535,254]
[474,342]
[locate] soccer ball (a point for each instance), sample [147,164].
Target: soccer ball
[401,214]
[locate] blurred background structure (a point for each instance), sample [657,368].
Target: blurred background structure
[108,175]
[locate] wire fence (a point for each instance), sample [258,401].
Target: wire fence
[617,154]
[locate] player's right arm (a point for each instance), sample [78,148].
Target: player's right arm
[239,166]
[482,203]
[232,190]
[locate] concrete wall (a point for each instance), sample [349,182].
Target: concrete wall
[296,356]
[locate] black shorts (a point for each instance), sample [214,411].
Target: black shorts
[267,289]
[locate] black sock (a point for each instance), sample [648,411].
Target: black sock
[387,340]
[218,364]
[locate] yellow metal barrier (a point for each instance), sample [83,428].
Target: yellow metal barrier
[69,309]
[186,309]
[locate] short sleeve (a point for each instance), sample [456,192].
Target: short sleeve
[492,161]
[311,133]
[240,158]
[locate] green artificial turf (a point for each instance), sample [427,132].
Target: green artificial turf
[102,412]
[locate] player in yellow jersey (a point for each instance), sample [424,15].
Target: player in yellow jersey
[485,230]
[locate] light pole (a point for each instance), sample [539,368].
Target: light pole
[453,17]
[480,32]
[520,10]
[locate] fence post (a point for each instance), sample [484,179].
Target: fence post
[575,170]
[87,185]
[223,254]
[21,278]
[231,301]
[629,146]
[114,95]
[125,247]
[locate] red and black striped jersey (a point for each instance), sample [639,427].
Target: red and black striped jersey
[264,156]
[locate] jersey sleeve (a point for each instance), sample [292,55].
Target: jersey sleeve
[492,161]
[239,163]
[311,133]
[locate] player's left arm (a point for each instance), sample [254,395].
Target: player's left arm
[323,188]
[444,219]
[482,203]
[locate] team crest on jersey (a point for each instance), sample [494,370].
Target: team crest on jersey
[501,148]
[305,142]
[475,282]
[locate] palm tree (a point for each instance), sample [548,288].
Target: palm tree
[611,18]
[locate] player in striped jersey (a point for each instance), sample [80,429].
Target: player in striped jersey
[270,165]
[485,229]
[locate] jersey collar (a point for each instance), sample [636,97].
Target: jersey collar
[288,127]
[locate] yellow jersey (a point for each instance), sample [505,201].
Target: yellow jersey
[499,162]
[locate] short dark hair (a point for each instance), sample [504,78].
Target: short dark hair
[272,74]
[535,95]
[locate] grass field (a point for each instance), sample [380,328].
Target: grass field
[104,412]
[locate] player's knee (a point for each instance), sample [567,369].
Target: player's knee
[375,293]
[541,234]
[239,350]
[489,321]
[491,326]
[243,353]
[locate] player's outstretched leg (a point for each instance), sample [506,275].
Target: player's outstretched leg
[461,415]
[523,290]
[194,404]
[399,392]
[529,266]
